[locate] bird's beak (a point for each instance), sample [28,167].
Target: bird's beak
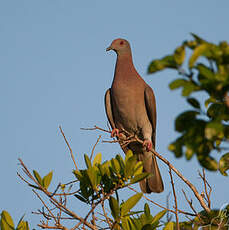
[109,48]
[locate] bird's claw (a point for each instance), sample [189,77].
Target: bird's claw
[115,133]
[148,145]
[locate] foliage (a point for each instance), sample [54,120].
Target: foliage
[6,222]
[204,129]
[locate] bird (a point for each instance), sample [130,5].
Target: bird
[130,106]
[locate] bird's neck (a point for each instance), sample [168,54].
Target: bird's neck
[124,69]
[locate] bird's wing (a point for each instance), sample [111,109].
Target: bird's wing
[151,110]
[108,108]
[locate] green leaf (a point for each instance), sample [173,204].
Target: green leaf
[114,206]
[193,102]
[198,39]
[158,217]
[205,71]
[189,153]
[129,154]
[208,162]
[147,210]
[177,83]
[87,161]
[169,226]
[129,169]
[115,165]
[97,159]
[37,176]
[139,177]
[81,198]
[188,88]
[213,129]
[224,164]
[160,64]
[6,221]
[92,174]
[22,225]
[208,101]
[198,51]
[179,55]
[47,180]
[138,168]
[130,203]
[148,227]
[184,120]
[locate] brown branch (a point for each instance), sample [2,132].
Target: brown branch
[175,200]
[72,156]
[54,201]
[191,186]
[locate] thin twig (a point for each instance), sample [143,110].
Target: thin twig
[208,194]
[175,200]
[45,205]
[93,149]
[72,156]
[190,203]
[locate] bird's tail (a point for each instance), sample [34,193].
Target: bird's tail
[153,183]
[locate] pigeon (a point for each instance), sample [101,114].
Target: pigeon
[130,106]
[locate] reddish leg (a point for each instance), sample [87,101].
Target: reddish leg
[115,132]
[148,144]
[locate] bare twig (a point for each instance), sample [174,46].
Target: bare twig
[93,149]
[208,194]
[190,203]
[72,156]
[45,205]
[175,200]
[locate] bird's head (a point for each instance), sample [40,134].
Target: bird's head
[120,46]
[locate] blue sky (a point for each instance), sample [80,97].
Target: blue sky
[54,71]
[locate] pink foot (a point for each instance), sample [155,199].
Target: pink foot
[147,144]
[115,132]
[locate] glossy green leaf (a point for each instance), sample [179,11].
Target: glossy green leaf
[97,159]
[169,226]
[198,51]
[224,164]
[6,221]
[47,180]
[87,161]
[130,203]
[193,102]
[81,198]
[114,206]
[188,88]
[38,177]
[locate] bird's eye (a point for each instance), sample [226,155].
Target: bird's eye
[121,43]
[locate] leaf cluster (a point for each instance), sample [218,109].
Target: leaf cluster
[109,176]
[205,128]
[6,222]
